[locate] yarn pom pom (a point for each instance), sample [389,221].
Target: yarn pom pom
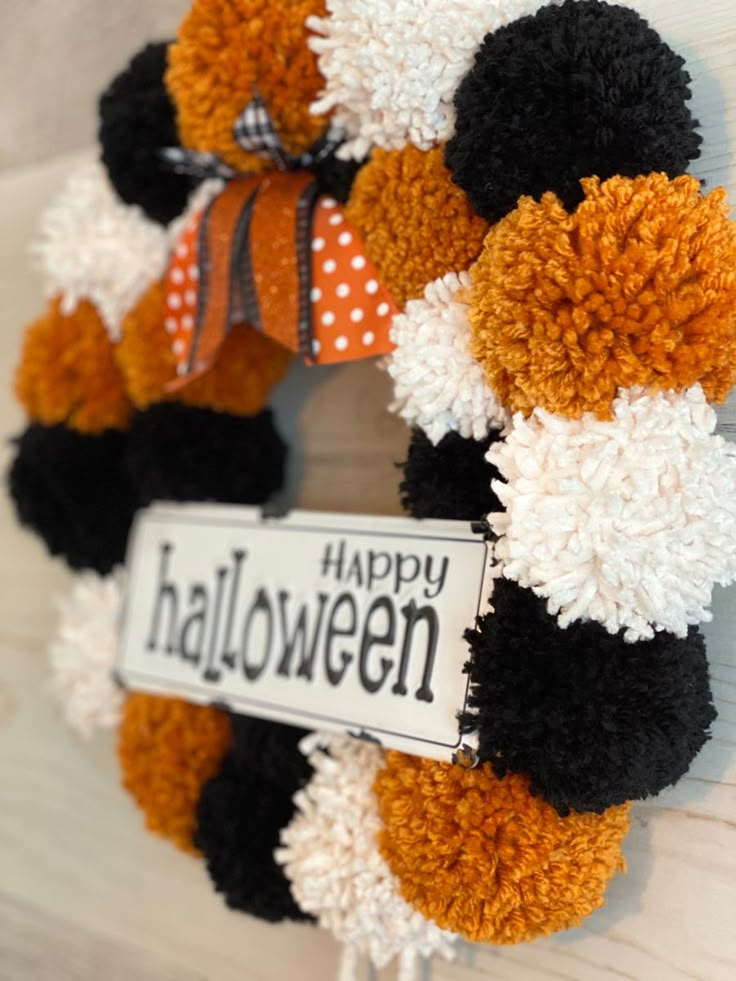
[335,177]
[241,812]
[392,68]
[579,89]
[225,50]
[593,720]
[137,121]
[629,523]
[180,453]
[168,748]
[330,855]
[92,247]
[72,490]
[239,382]
[482,857]
[637,287]
[438,384]
[67,372]
[83,652]
[451,480]
[396,205]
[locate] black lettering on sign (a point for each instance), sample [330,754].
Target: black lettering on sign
[194,623]
[343,601]
[167,596]
[414,615]
[261,605]
[297,634]
[371,639]
[229,655]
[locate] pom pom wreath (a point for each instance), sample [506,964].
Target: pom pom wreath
[93,247]
[438,384]
[331,857]
[579,89]
[415,223]
[629,523]
[450,480]
[240,381]
[592,720]
[83,652]
[392,68]
[72,490]
[180,453]
[241,812]
[637,287]
[137,121]
[481,857]
[225,50]
[168,749]
[67,372]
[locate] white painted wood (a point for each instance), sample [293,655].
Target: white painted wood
[85,894]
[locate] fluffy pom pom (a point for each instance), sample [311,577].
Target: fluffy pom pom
[240,381]
[168,749]
[392,68]
[73,491]
[438,384]
[83,652]
[482,857]
[241,812]
[416,225]
[579,89]
[95,248]
[593,720]
[137,121]
[67,372]
[629,523]
[180,453]
[637,287]
[226,49]
[450,480]
[331,857]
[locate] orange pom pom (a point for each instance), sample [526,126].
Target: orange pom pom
[636,287]
[416,224]
[240,381]
[225,49]
[168,749]
[482,857]
[67,372]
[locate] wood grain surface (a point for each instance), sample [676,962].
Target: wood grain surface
[87,895]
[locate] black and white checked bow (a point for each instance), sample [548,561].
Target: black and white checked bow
[255,133]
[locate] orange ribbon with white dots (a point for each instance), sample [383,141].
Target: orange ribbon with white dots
[272,253]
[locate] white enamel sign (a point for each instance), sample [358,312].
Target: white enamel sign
[332,622]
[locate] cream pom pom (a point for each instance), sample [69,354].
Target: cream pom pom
[438,384]
[94,247]
[330,855]
[628,523]
[83,653]
[392,66]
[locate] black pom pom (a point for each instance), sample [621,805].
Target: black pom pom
[450,480]
[180,453]
[335,177]
[578,90]
[241,812]
[593,720]
[137,120]
[73,492]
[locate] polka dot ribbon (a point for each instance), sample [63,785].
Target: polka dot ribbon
[271,253]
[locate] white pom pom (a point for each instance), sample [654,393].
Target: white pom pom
[83,653]
[629,523]
[331,857]
[392,66]
[438,384]
[93,247]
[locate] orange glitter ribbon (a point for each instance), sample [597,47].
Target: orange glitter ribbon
[272,253]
